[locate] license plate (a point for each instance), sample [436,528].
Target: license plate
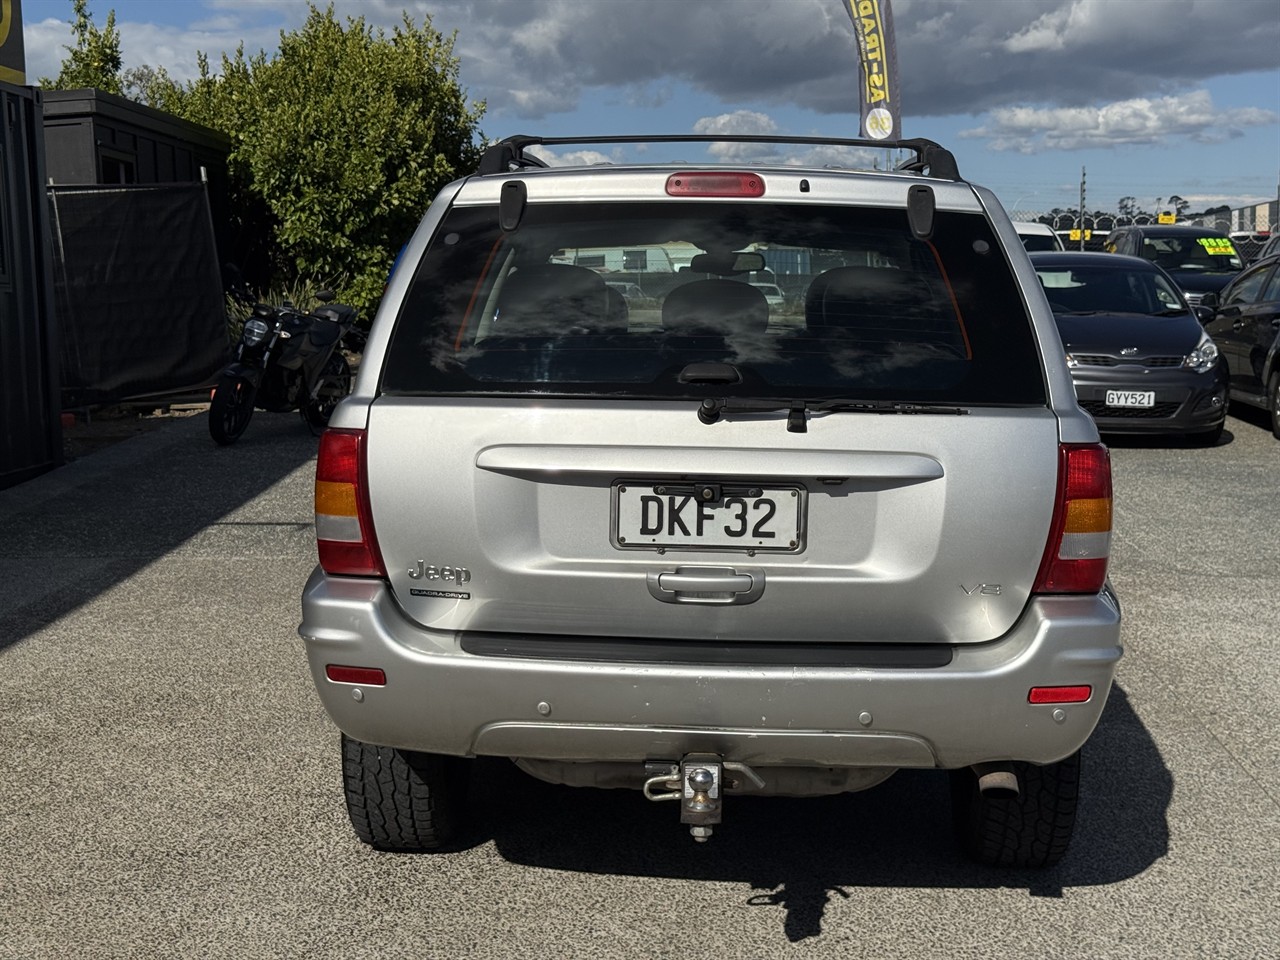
[1131,398]
[707,516]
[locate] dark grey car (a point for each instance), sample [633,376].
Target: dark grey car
[1200,260]
[1246,323]
[1140,360]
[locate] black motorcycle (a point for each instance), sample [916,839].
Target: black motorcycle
[287,359]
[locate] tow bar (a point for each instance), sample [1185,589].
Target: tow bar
[699,782]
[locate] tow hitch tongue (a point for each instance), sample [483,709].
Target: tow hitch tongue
[699,783]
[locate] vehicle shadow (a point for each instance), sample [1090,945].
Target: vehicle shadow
[78,531]
[1166,441]
[797,855]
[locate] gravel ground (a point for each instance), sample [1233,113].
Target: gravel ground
[86,432]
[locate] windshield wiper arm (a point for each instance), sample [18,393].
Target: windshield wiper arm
[709,410]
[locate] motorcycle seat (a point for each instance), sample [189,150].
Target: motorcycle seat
[337,312]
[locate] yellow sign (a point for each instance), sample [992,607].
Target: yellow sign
[1075,234]
[1217,246]
[1166,218]
[13,64]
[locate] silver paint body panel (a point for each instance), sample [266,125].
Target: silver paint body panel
[921,529]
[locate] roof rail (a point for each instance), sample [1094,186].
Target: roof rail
[931,159]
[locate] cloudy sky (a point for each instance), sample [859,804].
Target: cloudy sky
[1150,97]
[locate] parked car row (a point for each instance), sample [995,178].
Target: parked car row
[1166,327]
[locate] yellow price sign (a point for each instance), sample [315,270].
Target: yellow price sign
[1217,246]
[1075,234]
[1166,218]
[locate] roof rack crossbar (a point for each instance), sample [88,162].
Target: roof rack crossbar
[931,159]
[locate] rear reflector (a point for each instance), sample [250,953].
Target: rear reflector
[1079,545]
[369,676]
[344,521]
[718,184]
[1059,694]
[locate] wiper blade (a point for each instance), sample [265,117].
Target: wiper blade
[887,406]
[710,409]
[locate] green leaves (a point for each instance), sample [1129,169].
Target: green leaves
[94,61]
[346,135]
[340,140]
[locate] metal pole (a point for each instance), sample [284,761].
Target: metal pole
[1082,208]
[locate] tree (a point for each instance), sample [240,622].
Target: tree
[147,84]
[1179,205]
[345,135]
[94,61]
[1127,207]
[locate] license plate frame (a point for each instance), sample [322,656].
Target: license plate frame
[637,522]
[1130,399]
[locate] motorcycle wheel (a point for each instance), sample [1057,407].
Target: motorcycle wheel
[230,410]
[335,383]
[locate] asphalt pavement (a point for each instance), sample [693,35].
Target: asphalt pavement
[172,783]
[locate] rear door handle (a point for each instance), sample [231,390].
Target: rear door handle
[708,585]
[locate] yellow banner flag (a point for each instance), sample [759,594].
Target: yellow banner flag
[878,102]
[13,64]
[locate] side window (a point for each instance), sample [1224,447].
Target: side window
[1272,289]
[1246,289]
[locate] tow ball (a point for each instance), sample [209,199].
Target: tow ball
[699,782]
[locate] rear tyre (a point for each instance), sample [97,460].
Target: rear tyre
[230,410]
[1032,831]
[404,800]
[1273,402]
[335,383]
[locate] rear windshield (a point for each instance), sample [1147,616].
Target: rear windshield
[669,300]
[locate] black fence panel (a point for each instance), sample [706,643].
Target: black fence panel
[30,426]
[138,291]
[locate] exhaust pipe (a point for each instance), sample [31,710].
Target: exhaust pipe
[997,781]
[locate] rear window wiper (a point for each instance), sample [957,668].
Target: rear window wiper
[710,409]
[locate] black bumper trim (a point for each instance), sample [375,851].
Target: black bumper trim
[712,653]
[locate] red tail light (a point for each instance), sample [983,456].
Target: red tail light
[367,676]
[1079,546]
[1077,694]
[344,522]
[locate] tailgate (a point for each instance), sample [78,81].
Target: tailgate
[582,518]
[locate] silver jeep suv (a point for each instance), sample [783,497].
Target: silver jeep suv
[686,545]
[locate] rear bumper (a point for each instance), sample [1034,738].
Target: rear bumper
[441,699]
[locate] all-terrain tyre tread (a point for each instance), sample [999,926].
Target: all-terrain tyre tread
[1033,830]
[402,800]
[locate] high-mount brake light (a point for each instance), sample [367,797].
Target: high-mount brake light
[1076,694]
[715,184]
[1079,545]
[344,521]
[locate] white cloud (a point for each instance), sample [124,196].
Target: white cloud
[1138,121]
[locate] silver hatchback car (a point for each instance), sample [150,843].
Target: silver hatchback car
[687,547]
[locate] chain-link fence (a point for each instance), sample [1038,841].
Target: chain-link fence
[1248,227]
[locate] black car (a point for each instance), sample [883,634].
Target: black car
[1139,357]
[1200,260]
[1246,326]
